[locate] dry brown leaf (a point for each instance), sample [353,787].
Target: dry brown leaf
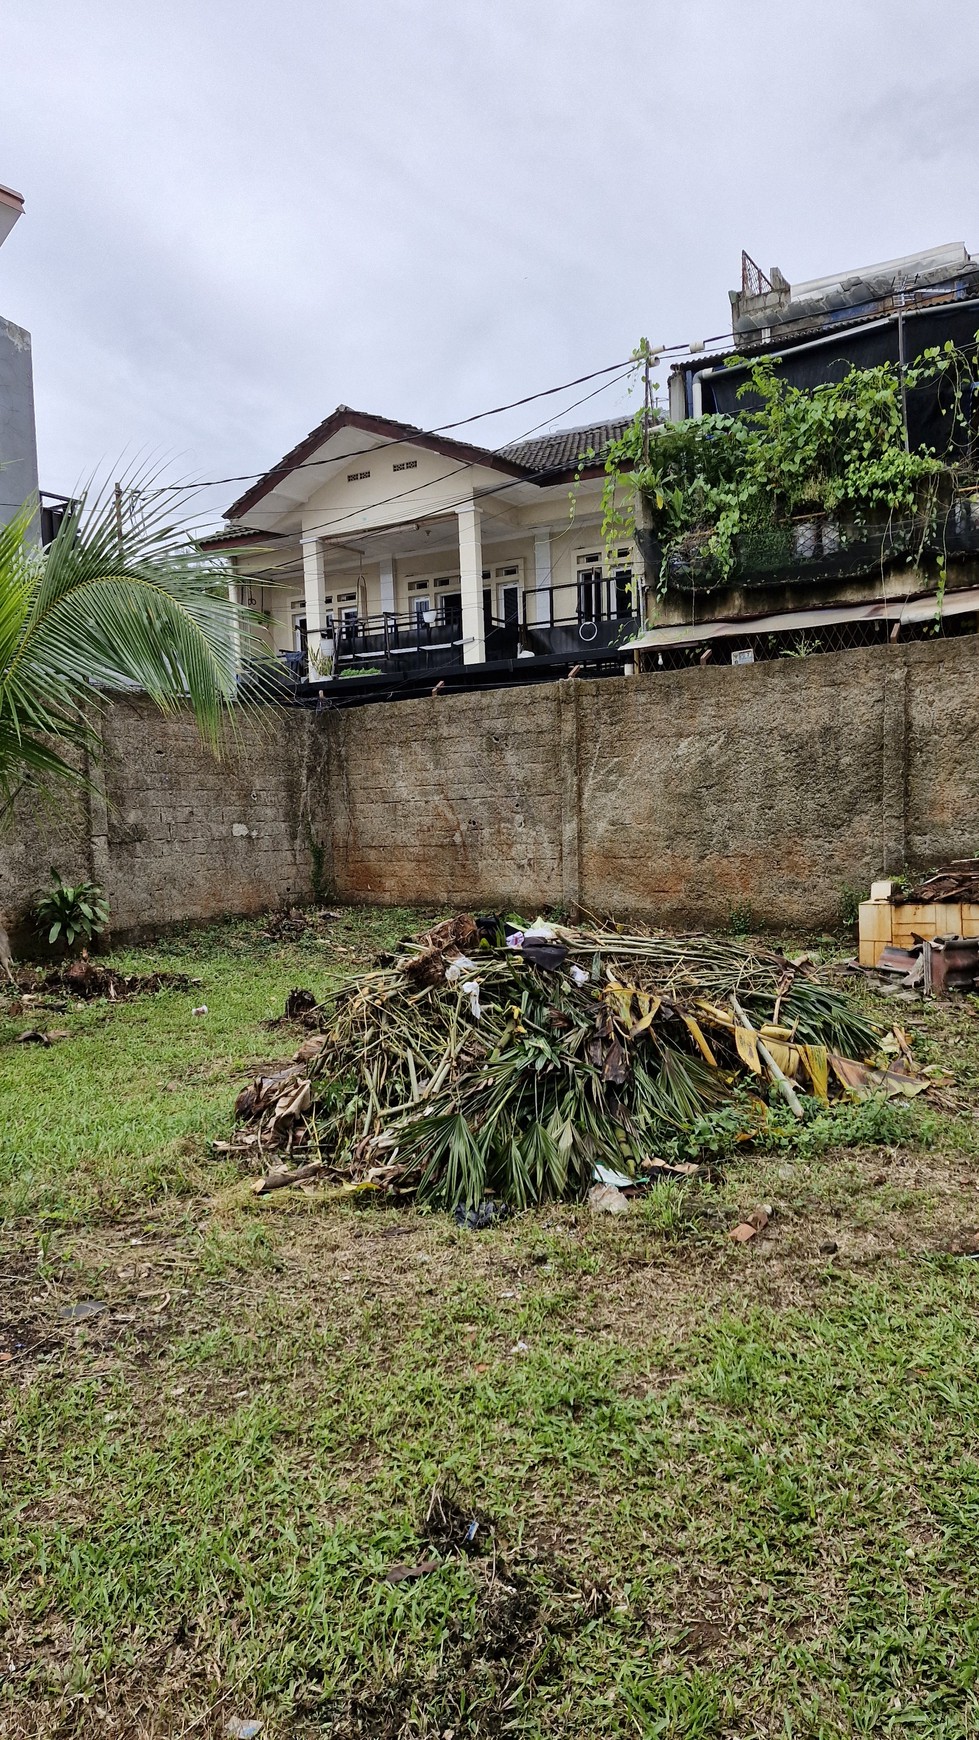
[756,1221]
[404,1573]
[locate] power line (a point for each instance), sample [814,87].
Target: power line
[413,434]
[450,507]
[634,362]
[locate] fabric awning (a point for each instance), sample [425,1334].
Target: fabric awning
[903,610]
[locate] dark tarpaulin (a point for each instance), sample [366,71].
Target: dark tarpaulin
[929,407]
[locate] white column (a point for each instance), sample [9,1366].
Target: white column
[233,598]
[318,645]
[542,573]
[386,566]
[471,578]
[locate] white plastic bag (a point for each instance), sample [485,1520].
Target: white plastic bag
[457,968]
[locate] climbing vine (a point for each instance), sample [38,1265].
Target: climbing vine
[716,486]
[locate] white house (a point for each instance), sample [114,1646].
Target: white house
[374,542]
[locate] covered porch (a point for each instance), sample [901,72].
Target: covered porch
[466,588]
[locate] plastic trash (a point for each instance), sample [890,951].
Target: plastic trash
[605,1199]
[616,1180]
[458,968]
[84,1308]
[470,989]
[546,955]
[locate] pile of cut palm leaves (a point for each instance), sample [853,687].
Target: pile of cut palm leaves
[477,1062]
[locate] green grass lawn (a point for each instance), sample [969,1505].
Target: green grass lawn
[722,1490]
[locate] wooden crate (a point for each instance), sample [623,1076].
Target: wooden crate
[881,923]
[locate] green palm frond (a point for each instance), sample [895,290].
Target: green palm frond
[96,613]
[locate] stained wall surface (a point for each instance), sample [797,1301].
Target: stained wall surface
[673,798]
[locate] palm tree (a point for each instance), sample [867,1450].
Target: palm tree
[106,608]
[103,609]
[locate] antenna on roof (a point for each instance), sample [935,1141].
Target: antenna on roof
[753,280]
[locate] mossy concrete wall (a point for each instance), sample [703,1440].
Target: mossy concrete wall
[673,798]
[170,833]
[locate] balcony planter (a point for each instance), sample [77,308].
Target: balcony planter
[821,546]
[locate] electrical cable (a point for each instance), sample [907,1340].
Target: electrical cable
[633,362]
[326,526]
[412,434]
[323,528]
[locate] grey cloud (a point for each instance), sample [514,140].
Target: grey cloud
[239,215]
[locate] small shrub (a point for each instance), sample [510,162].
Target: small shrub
[71,912]
[741,920]
[870,1123]
[849,908]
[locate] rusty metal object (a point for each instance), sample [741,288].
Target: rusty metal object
[895,960]
[951,964]
[958,880]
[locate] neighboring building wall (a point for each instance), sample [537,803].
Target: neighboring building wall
[671,798]
[18,440]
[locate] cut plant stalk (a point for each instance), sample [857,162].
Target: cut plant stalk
[651,1051]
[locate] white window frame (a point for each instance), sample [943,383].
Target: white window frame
[498,578]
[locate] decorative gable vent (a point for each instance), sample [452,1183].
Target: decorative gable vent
[405,465]
[357,476]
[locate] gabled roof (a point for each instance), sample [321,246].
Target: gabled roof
[547,459]
[385,427]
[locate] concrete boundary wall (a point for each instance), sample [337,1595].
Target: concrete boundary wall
[672,798]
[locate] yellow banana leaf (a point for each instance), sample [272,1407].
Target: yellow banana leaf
[620,997]
[816,1061]
[864,1082]
[721,1017]
[648,1017]
[786,1056]
[747,1044]
[694,1030]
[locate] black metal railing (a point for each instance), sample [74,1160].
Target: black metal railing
[595,615]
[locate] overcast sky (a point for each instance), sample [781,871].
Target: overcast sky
[240,214]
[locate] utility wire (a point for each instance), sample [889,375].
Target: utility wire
[444,508]
[413,434]
[634,362]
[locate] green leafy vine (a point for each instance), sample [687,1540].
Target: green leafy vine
[712,485]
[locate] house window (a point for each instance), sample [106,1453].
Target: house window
[605,590]
[508,604]
[503,594]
